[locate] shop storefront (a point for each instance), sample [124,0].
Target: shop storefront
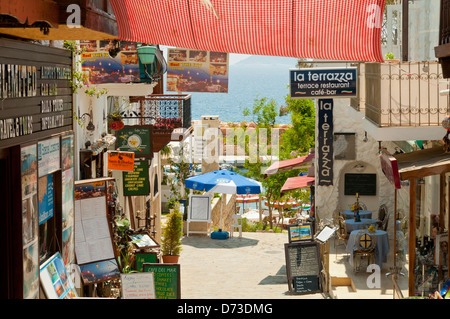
[36,165]
[423,218]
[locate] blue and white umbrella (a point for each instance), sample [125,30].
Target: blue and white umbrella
[225,182]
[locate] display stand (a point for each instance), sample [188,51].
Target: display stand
[199,211]
[94,244]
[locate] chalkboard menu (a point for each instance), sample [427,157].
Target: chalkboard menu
[363,184]
[167,280]
[303,267]
[137,139]
[136,183]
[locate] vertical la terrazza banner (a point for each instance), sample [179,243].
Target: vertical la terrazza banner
[197,71]
[325,139]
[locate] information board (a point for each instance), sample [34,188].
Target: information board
[167,280]
[138,286]
[136,183]
[137,139]
[363,184]
[303,267]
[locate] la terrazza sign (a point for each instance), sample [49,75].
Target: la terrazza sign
[320,82]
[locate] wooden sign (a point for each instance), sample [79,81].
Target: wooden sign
[136,183]
[138,286]
[167,280]
[303,267]
[121,161]
[137,139]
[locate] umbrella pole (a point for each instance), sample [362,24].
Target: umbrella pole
[221,212]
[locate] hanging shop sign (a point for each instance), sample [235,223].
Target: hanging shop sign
[121,161]
[136,182]
[390,168]
[321,83]
[137,139]
[108,61]
[325,139]
[197,71]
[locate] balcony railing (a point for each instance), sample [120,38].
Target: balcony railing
[163,111]
[403,94]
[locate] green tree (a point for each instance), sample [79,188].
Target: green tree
[264,112]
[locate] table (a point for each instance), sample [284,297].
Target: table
[381,248]
[351,225]
[348,214]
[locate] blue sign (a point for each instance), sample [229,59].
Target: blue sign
[46,200]
[317,83]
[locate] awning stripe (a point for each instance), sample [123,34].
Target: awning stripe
[320,29]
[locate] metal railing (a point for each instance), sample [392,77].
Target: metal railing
[403,94]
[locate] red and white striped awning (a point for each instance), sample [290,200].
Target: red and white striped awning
[319,29]
[289,164]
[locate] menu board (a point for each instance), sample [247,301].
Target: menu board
[363,184]
[167,280]
[303,267]
[136,183]
[55,280]
[138,285]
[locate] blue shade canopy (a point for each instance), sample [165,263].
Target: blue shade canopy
[225,182]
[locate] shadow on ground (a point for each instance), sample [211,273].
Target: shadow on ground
[207,242]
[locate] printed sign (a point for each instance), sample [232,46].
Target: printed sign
[55,281]
[121,161]
[317,83]
[46,199]
[48,156]
[136,139]
[197,71]
[100,67]
[325,139]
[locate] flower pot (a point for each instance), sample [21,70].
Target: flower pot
[169,259]
[116,125]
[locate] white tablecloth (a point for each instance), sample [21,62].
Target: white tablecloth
[381,248]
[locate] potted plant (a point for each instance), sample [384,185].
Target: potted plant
[171,236]
[115,122]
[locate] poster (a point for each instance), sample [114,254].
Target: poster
[48,156]
[55,280]
[46,198]
[197,71]
[99,271]
[136,139]
[68,215]
[100,67]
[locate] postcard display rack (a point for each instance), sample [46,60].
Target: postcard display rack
[94,245]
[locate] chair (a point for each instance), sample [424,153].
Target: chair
[236,223]
[382,212]
[365,244]
[384,224]
[342,235]
[362,206]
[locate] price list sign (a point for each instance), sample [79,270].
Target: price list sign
[167,280]
[303,267]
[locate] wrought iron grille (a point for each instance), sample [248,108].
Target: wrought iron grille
[405,94]
[162,109]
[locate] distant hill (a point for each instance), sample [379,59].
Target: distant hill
[265,60]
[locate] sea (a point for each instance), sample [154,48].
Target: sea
[250,78]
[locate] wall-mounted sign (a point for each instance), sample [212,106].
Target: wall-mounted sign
[197,71]
[121,161]
[136,139]
[317,83]
[325,139]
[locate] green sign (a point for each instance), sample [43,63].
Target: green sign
[137,139]
[167,280]
[142,258]
[136,183]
